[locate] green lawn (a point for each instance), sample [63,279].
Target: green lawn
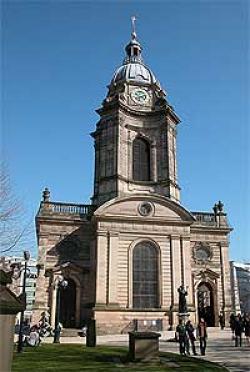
[68,357]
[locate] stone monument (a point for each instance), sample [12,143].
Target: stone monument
[183,311]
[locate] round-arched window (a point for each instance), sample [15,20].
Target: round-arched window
[145,276]
[141,160]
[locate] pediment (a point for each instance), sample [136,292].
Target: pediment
[155,208]
[67,266]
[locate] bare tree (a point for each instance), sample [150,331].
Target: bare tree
[14,228]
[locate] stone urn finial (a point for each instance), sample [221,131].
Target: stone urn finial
[220,206]
[215,209]
[46,195]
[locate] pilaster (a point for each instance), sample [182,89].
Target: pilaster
[225,277]
[101,267]
[176,268]
[186,267]
[113,249]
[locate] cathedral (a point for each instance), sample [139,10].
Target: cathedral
[125,255]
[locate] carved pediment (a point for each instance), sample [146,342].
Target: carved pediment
[67,267]
[141,206]
[207,274]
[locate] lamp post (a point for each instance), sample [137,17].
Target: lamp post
[26,256]
[60,283]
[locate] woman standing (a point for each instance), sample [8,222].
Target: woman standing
[202,332]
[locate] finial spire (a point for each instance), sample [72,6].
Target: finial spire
[133,33]
[133,49]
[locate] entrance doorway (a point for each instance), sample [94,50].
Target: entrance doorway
[68,305]
[205,300]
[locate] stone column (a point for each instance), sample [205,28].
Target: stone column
[113,248]
[101,268]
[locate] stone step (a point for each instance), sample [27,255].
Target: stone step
[71,332]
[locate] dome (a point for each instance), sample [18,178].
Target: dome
[134,72]
[133,68]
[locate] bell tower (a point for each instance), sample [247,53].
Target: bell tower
[135,138]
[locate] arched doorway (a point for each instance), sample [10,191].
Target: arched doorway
[68,305]
[205,301]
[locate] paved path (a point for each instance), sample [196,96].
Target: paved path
[220,347]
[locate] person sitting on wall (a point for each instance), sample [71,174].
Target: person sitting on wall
[33,339]
[45,328]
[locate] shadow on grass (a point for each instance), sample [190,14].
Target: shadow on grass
[68,357]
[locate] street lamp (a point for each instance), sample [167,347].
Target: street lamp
[26,256]
[60,283]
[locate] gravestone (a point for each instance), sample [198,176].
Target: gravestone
[144,346]
[10,306]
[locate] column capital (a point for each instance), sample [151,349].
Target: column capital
[175,237]
[185,238]
[113,233]
[224,244]
[101,233]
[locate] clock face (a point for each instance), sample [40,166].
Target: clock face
[140,96]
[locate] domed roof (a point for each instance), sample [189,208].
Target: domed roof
[133,68]
[134,72]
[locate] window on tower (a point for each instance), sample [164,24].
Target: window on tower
[141,160]
[145,276]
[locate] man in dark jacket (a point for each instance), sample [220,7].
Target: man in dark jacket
[191,336]
[238,329]
[181,333]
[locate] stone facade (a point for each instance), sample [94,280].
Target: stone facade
[136,203]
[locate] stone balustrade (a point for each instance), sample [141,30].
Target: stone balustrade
[57,208]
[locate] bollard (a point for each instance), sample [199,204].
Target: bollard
[91,334]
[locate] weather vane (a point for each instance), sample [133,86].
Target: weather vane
[133,19]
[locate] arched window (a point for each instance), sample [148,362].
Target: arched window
[145,276]
[141,160]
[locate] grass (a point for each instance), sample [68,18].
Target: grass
[69,358]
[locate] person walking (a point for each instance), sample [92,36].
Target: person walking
[232,324]
[222,321]
[191,336]
[247,329]
[238,329]
[182,336]
[202,332]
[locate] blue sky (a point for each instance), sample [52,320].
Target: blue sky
[59,56]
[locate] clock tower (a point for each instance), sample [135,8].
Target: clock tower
[127,256]
[135,138]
